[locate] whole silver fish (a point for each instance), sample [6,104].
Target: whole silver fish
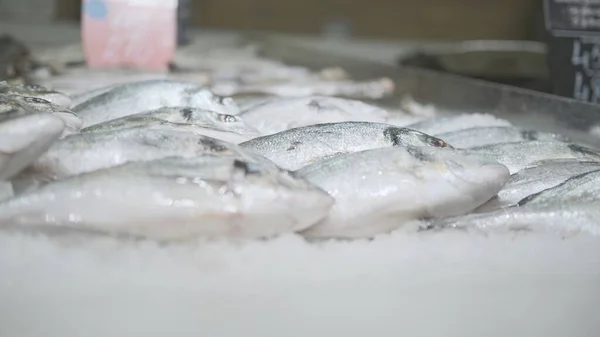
[564,219]
[280,114]
[438,125]
[24,137]
[517,156]
[91,151]
[530,180]
[373,89]
[133,98]
[298,147]
[226,127]
[173,198]
[33,105]
[481,136]
[379,190]
[34,90]
[585,186]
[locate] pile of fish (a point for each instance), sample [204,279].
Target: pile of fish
[172,160]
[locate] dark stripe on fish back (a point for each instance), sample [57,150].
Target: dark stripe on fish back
[187,113]
[212,144]
[584,150]
[393,135]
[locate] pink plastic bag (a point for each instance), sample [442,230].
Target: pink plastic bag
[129,33]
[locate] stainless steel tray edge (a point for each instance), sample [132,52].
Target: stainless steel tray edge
[451,93]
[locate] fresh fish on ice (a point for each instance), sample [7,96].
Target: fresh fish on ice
[149,123]
[280,114]
[378,190]
[517,156]
[221,126]
[71,121]
[91,151]
[564,219]
[132,98]
[374,89]
[183,115]
[582,187]
[438,125]
[534,179]
[298,147]
[481,136]
[173,198]
[24,136]
[34,90]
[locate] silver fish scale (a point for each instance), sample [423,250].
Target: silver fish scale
[582,187]
[562,218]
[517,156]
[481,136]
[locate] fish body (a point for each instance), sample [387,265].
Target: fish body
[34,90]
[439,125]
[534,179]
[172,199]
[379,190]
[24,137]
[564,219]
[374,89]
[519,155]
[221,126]
[585,186]
[14,102]
[298,147]
[132,98]
[482,136]
[91,151]
[79,98]
[280,114]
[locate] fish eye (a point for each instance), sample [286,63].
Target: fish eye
[227,118]
[438,142]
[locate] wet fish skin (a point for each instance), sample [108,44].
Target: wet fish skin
[87,95]
[34,90]
[283,113]
[585,186]
[85,152]
[379,190]
[180,115]
[438,125]
[132,98]
[24,137]
[142,123]
[173,199]
[534,179]
[298,147]
[564,219]
[519,155]
[481,136]
[13,102]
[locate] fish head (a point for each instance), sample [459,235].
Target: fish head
[457,183]
[34,90]
[405,136]
[70,118]
[203,98]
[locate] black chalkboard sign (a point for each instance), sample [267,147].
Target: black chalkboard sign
[573,38]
